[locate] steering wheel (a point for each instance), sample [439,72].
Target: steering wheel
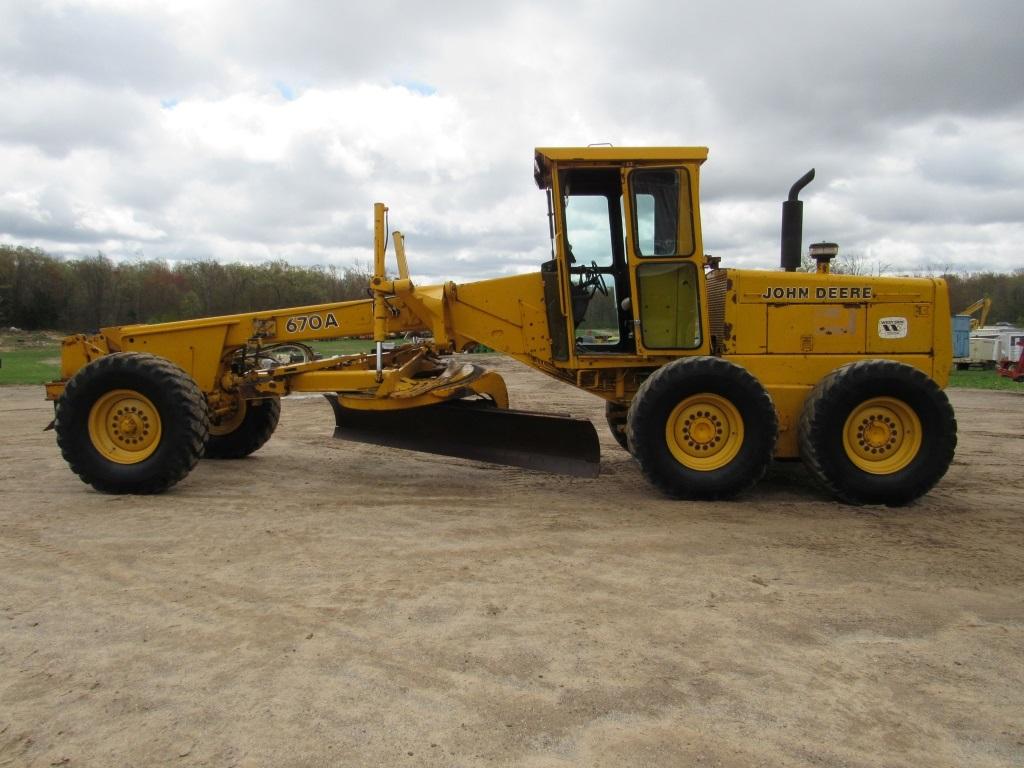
[593,278]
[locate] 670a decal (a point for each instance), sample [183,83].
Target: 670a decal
[300,323]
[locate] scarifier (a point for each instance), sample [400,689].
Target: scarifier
[707,373]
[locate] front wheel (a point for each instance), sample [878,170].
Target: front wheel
[131,423]
[702,428]
[877,432]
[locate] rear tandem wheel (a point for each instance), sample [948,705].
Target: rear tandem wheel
[877,432]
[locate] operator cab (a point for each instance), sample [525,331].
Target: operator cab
[626,244]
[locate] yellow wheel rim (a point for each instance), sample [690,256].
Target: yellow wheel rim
[882,435]
[704,432]
[230,422]
[124,426]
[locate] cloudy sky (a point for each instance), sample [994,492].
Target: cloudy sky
[260,130]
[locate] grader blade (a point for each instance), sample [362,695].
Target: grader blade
[545,442]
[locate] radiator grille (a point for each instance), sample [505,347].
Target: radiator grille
[718,283]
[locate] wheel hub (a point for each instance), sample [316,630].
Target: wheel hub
[882,435]
[877,433]
[124,426]
[224,423]
[128,426]
[704,431]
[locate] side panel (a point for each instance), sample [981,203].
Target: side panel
[896,328]
[819,328]
[507,314]
[746,329]
[197,351]
[811,313]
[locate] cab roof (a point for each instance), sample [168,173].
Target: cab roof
[545,156]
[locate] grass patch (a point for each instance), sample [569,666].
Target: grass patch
[342,346]
[983,380]
[35,365]
[29,357]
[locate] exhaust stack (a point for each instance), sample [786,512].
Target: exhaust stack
[793,224]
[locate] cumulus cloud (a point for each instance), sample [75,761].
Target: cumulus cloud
[257,130]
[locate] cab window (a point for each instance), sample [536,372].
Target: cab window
[588,229]
[663,217]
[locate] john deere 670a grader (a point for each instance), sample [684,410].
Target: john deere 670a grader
[708,373]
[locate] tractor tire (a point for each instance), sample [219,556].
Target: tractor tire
[246,433]
[616,416]
[702,428]
[131,423]
[877,432]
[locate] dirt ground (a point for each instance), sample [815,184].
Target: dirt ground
[324,603]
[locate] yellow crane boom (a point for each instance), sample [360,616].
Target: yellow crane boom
[984,305]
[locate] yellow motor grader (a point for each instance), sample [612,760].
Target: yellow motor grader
[707,373]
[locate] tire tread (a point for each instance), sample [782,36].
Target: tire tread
[169,378]
[644,418]
[813,435]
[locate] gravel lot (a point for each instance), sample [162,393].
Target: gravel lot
[323,603]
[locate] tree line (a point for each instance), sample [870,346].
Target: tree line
[41,291]
[1005,290]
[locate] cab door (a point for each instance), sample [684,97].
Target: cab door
[591,244]
[665,257]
